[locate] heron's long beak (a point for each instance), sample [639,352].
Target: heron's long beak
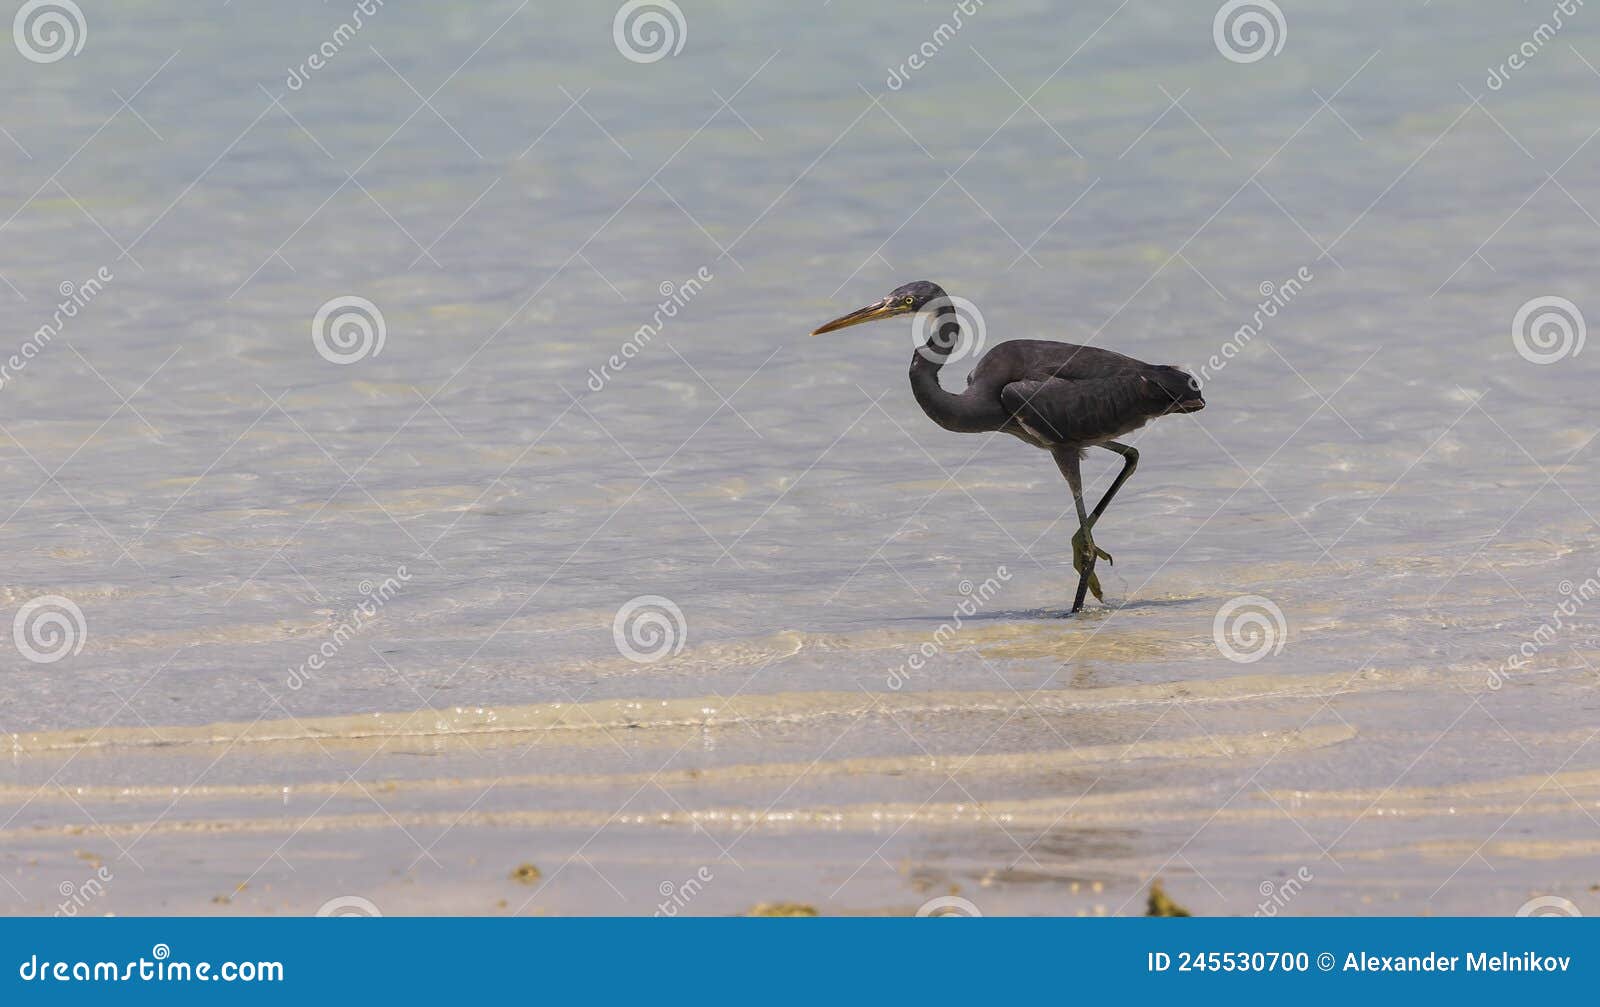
[885,308]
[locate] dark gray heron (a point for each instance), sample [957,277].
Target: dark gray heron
[1056,396]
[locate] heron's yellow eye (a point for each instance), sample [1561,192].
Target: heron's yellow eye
[909,301]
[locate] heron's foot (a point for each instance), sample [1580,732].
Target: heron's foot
[1082,546]
[1087,581]
[1084,554]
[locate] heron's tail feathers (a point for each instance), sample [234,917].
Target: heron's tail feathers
[1174,390]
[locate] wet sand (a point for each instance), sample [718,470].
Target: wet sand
[1076,799]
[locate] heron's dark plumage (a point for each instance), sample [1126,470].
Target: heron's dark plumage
[1061,394]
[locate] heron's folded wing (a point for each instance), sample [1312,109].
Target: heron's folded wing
[1086,409]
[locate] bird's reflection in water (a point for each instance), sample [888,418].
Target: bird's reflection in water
[1027,615]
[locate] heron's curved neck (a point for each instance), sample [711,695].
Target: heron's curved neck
[949,410]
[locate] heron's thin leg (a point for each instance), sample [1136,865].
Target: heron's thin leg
[1130,461]
[1083,550]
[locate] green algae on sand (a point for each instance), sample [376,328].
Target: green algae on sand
[1161,904]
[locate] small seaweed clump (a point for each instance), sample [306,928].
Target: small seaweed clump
[783,909]
[526,873]
[1161,904]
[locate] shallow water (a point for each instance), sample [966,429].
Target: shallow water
[1401,498]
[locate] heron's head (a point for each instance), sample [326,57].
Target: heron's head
[906,300]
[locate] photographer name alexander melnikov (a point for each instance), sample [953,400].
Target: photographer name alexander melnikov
[1504,961]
